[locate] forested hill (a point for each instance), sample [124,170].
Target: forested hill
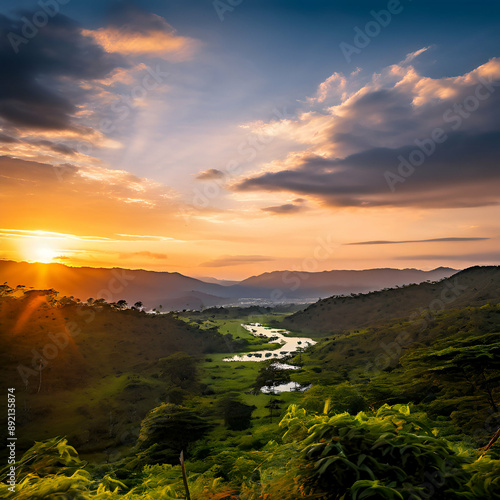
[471,287]
[80,368]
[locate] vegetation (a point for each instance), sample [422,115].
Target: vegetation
[390,453]
[474,286]
[406,408]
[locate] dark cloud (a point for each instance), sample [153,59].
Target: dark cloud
[58,148]
[462,172]
[37,70]
[15,172]
[415,241]
[7,138]
[235,260]
[288,208]
[472,257]
[378,128]
[211,173]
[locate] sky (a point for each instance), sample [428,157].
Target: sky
[229,138]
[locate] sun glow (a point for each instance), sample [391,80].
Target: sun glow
[44,254]
[40,251]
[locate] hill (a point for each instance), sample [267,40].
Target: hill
[295,284]
[91,371]
[170,290]
[473,286]
[174,291]
[448,364]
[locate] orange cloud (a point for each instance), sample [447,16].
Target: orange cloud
[156,43]
[84,196]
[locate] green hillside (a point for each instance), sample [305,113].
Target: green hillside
[448,364]
[398,409]
[103,367]
[473,286]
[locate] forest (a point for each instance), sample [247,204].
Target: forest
[403,409]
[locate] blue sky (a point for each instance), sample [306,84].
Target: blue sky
[257,121]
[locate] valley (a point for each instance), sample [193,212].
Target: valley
[235,387]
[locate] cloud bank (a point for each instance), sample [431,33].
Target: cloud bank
[441,137]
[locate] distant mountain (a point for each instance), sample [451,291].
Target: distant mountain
[208,279]
[174,291]
[295,284]
[171,290]
[474,286]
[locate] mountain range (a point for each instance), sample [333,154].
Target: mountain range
[475,286]
[174,291]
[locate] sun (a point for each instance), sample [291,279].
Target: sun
[44,254]
[40,251]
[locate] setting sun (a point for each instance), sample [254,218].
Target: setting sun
[40,252]
[44,254]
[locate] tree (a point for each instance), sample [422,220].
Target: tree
[179,369]
[274,404]
[474,363]
[138,304]
[168,429]
[271,376]
[5,290]
[237,415]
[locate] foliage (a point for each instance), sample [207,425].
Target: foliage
[271,375]
[237,415]
[391,453]
[168,429]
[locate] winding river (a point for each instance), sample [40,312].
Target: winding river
[289,345]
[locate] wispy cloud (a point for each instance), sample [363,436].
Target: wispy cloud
[147,237]
[286,209]
[26,233]
[51,235]
[210,174]
[432,240]
[413,55]
[235,260]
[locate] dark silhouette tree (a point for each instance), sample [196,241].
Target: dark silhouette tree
[168,429]
[237,415]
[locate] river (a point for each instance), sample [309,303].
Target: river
[289,345]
